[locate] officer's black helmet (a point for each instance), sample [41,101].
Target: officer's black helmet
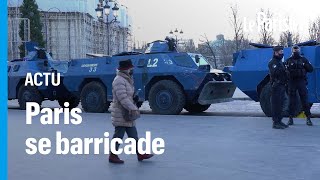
[295,47]
[277,48]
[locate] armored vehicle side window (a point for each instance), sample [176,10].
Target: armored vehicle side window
[184,60]
[9,68]
[141,62]
[16,68]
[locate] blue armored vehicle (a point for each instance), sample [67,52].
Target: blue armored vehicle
[168,79]
[250,74]
[38,61]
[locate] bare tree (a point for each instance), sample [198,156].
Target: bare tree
[314,30]
[237,26]
[265,27]
[188,46]
[288,38]
[207,43]
[246,43]
[220,52]
[226,51]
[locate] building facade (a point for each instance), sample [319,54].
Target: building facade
[72,33]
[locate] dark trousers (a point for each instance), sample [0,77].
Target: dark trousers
[277,100]
[301,87]
[119,133]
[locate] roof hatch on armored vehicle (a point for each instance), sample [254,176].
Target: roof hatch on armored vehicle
[161,47]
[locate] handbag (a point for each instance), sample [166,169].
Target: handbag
[130,117]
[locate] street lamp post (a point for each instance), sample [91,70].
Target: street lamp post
[176,33]
[102,10]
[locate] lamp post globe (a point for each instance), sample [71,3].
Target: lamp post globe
[106,9]
[99,11]
[115,10]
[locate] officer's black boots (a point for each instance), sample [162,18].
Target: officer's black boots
[290,122]
[309,122]
[283,124]
[277,125]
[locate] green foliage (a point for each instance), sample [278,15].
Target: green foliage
[29,9]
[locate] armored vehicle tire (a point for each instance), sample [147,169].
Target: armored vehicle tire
[28,94]
[72,100]
[265,102]
[196,108]
[94,98]
[166,97]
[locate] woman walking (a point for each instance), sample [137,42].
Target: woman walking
[123,109]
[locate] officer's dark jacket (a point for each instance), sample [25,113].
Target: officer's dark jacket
[298,67]
[277,71]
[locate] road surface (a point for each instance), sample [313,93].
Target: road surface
[231,141]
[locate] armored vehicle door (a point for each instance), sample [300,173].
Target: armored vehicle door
[140,74]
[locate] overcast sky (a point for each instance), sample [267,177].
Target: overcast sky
[153,19]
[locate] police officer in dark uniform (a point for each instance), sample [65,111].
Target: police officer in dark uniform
[278,79]
[172,44]
[298,67]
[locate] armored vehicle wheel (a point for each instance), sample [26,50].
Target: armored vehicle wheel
[28,94]
[166,97]
[94,98]
[196,108]
[72,100]
[265,102]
